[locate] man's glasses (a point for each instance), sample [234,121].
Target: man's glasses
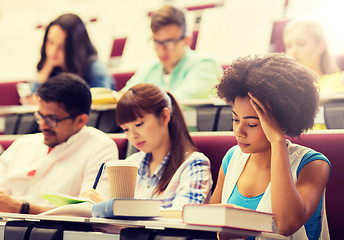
[169,44]
[49,120]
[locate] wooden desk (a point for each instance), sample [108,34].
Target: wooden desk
[331,98]
[102,116]
[334,102]
[17,109]
[20,118]
[213,114]
[210,114]
[332,107]
[220,103]
[24,109]
[159,223]
[210,102]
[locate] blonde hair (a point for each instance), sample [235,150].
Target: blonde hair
[327,64]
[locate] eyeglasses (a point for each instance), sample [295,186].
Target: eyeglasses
[168,44]
[49,120]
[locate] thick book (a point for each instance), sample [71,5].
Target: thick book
[127,208]
[102,95]
[224,215]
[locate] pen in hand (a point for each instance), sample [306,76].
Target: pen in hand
[99,174]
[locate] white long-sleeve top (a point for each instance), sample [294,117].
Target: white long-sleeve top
[27,167]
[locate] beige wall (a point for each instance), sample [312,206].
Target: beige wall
[20,40]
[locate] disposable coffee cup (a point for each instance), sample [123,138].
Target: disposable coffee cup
[122,176]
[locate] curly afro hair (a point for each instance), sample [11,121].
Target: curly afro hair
[280,83]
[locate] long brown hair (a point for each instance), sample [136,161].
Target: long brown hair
[79,50]
[148,98]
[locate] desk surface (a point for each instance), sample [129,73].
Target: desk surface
[159,223]
[331,98]
[22,109]
[210,102]
[18,109]
[219,102]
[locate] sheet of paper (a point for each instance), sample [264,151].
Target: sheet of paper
[83,209]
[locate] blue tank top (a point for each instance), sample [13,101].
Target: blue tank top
[312,226]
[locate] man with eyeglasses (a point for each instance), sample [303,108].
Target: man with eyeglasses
[63,158]
[185,73]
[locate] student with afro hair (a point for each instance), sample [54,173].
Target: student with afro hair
[273,96]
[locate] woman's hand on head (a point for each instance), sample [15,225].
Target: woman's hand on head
[270,126]
[93,195]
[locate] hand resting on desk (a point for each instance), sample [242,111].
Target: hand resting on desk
[8,204]
[93,195]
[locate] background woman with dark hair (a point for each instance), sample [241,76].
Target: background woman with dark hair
[68,48]
[170,168]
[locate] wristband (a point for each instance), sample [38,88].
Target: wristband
[25,208]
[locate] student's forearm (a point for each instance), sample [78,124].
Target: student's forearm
[36,209]
[286,202]
[44,73]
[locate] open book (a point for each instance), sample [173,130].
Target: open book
[59,199]
[83,209]
[68,205]
[225,215]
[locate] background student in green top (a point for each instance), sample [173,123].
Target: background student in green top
[185,73]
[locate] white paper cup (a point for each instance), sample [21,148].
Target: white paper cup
[122,176]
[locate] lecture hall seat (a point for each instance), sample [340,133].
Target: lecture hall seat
[15,124]
[121,78]
[276,41]
[117,47]
[9,94]
[334,115]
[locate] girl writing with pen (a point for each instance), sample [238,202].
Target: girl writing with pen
[170,167]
